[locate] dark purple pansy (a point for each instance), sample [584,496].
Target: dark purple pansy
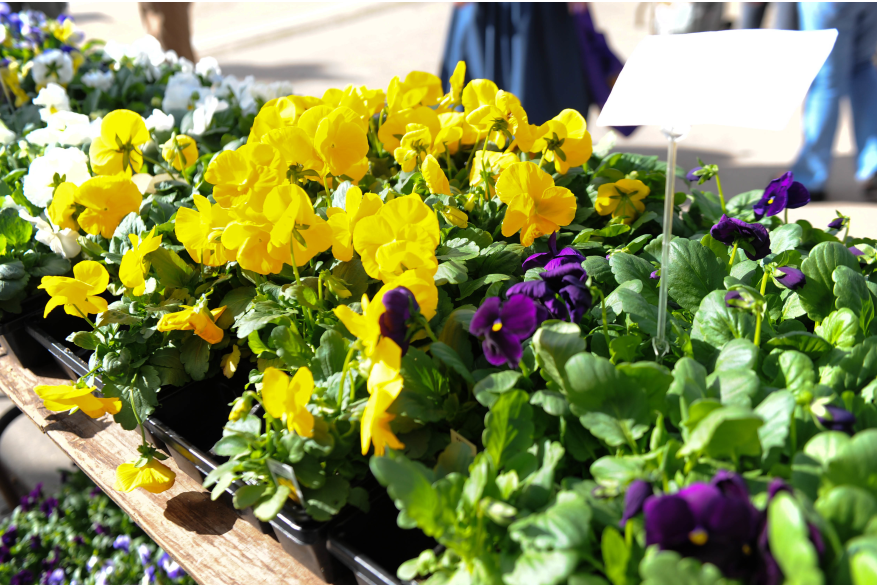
[792,278]
[5,555]
[553,259]
[637,493]
[24,577]
[10,536]
[399,304]
[502,326]
[48,506]
[728,230]
[731,297]
[836,224]
[690,176]
[713,522]
[98,529]
[122,542]
[835,418]
[562,291]
[781,193]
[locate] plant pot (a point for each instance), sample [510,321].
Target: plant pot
[372,545]
[19,345]
[71,361]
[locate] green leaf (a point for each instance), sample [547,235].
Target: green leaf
[641,311]
[785,238]
[564,525]
[848,508]
[693,272]
[449,357]
[237,300]
[739,353]
[541,568]
[50,264]
[667,567]
[715,324]
[452,271]
[172,271]
[734,386]
[795,370]
[689,385]
[257,316]
[859,366]
[599,269]
[613,300]
[410,485]
[489,389]
[624,348]
[840,328]
[817,295]
[247,495]
[229,446]
[789,539]
[626,267]
[84,340]
[330,355]
[470,287]
[776,411]
[810,344]
[325,502]
[554,343]
[508,427]
[290,346]
[654,379]
[729,431]
[195,357]
[168,365]
[269,506]
[14,228]
[616,555]
[352,273]
[13,279]
[863,567]
[850,288]
[855,462]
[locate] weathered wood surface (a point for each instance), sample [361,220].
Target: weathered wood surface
[206,538]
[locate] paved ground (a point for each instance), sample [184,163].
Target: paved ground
[318,45]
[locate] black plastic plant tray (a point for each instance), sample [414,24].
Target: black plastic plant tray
[20,346]
[361,543]
[69,358]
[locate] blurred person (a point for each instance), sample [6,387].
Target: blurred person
[169,23]
[547,54]
[752,15]
[50,9]
[848,71]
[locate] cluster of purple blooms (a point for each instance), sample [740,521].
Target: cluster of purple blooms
[715,523]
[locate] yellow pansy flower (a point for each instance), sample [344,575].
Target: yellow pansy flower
[295,225]
[154,477]
[63,206]
[117,149]
[280,112]
[180,151]
[622,199]
[487,107]
[201,232]
[496,163]
[394,128]
[457,81]
[415,143]
[469,136]
[107,199]
[62,398]
[80,294]
[420,283]
[384,385]
[402,235]
[435,178]
[418,89]
[287,399]
[245,176]
[202,321]
[10,77]
[536,207]
[296,150]
[565,140]
[134,266]
[341,142]
[252,247]
[348,98]
[230,361]
[343,221]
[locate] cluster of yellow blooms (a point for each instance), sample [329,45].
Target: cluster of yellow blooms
[262,218]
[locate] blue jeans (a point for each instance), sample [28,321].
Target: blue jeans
[849,71]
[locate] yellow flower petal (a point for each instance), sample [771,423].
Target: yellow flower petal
[154,477]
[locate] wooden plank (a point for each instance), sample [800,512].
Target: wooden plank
[206,538]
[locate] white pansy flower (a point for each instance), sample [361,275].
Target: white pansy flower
[266,91]
[39,183]
[204,111]
[178,93]
[208,67]
[65,128]
[63,242]
[99,80]
[159,121]
[239,90]
[52,66]
[53,98]
[186,66]
[7,137]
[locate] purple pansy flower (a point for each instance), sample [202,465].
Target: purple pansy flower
[10,536]
[48,506]
[793,278]
[23,577]
[56,577]
[36,542]
[781,193]
[553,259]
[99,530]
[503,326]
[149,575]
[122,542]
[637,493]
[731,297]
[561,293]
[144,554]
[713,522]
[856,251]
[5,555]
[836,224]
[728,230]
[92,562]
[171,568]
[835,418]
[690,175]
[399,303]
[656,274]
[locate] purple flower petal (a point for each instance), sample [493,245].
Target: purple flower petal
[838,419]
[668,521]
[518,315]
[485,316]
[700,497]
[502,349]
[537,260]
[856,251]
[836,224]
[690,175]
[399,302]
[535,289]
[727,230]
[731,484]
[732,296]
[637,493]
[793,278]
[798,195]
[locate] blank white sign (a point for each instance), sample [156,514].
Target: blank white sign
[743,78]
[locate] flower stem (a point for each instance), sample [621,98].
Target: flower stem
[721,194]
[760,315]
[603,311]
[85,317]
[136,415]
[847,231]
[344,374]
[733,254]
[786,215]
[161,165]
